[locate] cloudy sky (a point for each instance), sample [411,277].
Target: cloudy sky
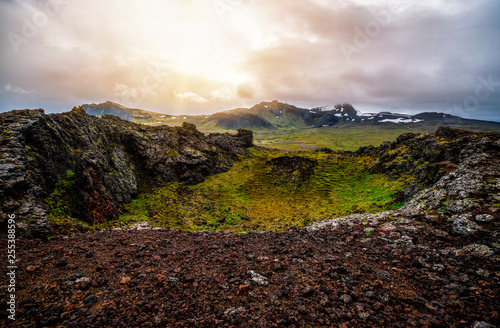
[202,56]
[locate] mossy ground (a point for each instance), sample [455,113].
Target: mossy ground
[59,202]
[59,205]
[255,196]
[252,196]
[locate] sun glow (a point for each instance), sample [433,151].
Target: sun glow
[196,54]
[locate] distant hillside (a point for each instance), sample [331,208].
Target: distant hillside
[140,115]
[275,115]
[111,108]
[237,118]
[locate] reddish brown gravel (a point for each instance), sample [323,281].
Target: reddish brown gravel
[343,278]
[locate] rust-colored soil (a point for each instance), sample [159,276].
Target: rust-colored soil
[414,275]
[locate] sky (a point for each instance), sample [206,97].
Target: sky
[203,56]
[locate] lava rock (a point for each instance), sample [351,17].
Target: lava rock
[62,263]
[465,227]
[482,324]
[484,217]
[383,275]
[478,250]
[91,299]
[257,278]
[346,298]
[103,155]
[74,276]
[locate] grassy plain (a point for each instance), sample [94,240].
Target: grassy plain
[342,137]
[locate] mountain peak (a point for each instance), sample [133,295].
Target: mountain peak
[275,104]
[111,103]
[105,104]
[112,108]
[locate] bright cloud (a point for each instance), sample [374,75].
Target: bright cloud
[190,97]
[17,90]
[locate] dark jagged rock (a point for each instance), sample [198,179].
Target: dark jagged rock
[454,174]
[107,160]
[428,157]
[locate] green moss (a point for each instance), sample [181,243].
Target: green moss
[173,153]
[59,203]
[253,196]
[6,135]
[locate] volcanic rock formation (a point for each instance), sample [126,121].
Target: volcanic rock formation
[108,160]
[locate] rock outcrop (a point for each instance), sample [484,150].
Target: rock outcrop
[455,176]
[429,157]
[106,161]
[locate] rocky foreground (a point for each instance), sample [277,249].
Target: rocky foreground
[389,272]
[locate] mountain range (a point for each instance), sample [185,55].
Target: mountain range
[277,115]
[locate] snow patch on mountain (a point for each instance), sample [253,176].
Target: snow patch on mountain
[327,108]
[360,113]
[400,120]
